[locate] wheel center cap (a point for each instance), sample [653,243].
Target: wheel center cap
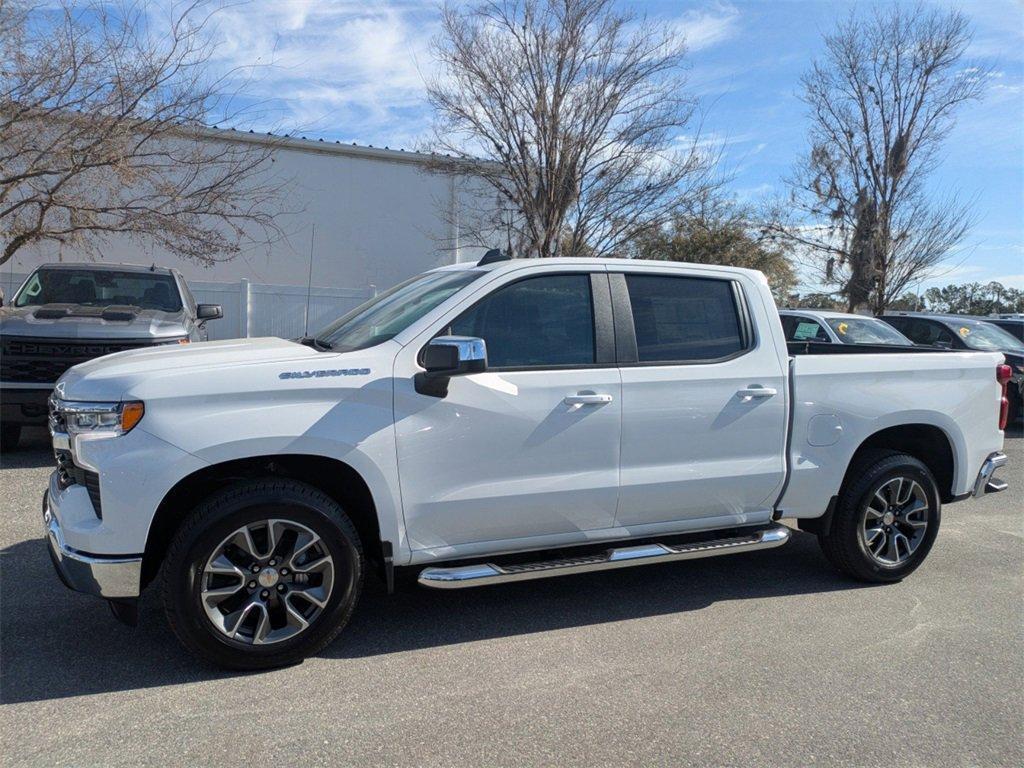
[268,577]
[888,518]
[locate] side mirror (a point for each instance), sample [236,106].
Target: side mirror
[447,356]
[209,311]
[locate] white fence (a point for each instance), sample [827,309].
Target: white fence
[257,309]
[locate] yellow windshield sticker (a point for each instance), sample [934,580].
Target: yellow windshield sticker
[843,328]
[965,331]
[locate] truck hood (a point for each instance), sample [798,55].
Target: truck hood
[76,321]
[197,369]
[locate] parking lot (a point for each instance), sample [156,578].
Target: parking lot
[766,658]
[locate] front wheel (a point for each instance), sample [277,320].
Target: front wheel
[262,575]
[886,518]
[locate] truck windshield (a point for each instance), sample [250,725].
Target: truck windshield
[100,288]
[977,334]
[384,317]
[867,330]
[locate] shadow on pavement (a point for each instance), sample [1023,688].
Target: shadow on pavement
[32,452]
[57,644]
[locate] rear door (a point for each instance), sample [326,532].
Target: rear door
[703,399]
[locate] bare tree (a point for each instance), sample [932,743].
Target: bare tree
[102,133]
[882,100]
[574,114]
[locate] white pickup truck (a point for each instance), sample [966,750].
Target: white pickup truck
[508,420]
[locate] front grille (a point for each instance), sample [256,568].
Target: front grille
[42,361]
[69,473]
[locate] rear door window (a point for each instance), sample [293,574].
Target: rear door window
[684,319]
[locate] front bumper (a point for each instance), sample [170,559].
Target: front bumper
[986,482]
[110,576]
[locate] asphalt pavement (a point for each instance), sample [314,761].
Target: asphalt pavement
[768,658]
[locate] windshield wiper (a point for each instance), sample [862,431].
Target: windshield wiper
[316,343]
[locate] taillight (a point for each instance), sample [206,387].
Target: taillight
[1003,375]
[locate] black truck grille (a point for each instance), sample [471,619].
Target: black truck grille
[41,361]
[69,473]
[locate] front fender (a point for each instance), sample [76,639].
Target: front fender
[377,468]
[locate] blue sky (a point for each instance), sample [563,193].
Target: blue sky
[353,71]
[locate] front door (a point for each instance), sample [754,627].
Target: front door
[528,449]
[704,415]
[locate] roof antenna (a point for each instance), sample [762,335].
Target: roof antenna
[309,283]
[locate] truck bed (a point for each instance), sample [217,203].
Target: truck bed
[841,398]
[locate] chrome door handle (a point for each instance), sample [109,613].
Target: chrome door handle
[587,398]
[750,392]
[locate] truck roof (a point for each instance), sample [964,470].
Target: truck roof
[943,316]
[823,313]
[107,267]
[598,261]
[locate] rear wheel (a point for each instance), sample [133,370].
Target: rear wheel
[10,434]
[886,518]
[262,575]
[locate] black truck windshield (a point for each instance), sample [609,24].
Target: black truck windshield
[985,336]
[866,330]
[384,317]
[100,288]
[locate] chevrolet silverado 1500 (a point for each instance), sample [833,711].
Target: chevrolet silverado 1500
[508,420]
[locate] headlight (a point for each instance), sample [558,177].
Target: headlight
[182,340]
[100,418]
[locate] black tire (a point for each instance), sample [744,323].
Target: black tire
[10,434]
[216,518]
[844,544]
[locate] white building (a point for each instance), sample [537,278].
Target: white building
[369,218]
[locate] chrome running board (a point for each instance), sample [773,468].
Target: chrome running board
[620,557]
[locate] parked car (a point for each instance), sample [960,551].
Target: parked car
[65,314]
[509,420]
[828,327]
[964,332]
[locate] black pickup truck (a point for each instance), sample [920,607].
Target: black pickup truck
[65,314]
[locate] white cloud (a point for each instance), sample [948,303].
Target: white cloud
[705,28]
[353,69]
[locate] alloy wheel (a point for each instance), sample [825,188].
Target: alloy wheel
[266,582]
[895,520]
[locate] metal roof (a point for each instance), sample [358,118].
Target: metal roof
[326,146]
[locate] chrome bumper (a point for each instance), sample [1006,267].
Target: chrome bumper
[110,576]
[986,483]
